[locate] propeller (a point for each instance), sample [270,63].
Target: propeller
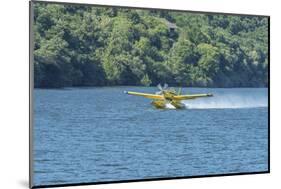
[159,87]
[162,89]
[179,91]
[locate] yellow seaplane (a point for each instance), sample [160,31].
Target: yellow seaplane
[167,96]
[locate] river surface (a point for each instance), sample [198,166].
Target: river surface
[101,134]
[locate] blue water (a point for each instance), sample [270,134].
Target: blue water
[102,134]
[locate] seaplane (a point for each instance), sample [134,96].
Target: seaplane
[161,99]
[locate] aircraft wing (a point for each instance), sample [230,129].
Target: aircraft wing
[146,95]
[192,96]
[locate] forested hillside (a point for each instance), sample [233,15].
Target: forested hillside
[95,46]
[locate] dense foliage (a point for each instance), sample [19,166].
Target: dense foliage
[96,46]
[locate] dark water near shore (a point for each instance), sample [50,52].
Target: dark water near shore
[101,134]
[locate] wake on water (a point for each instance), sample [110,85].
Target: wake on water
[226,101]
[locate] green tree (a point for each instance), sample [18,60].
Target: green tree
[77,45]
